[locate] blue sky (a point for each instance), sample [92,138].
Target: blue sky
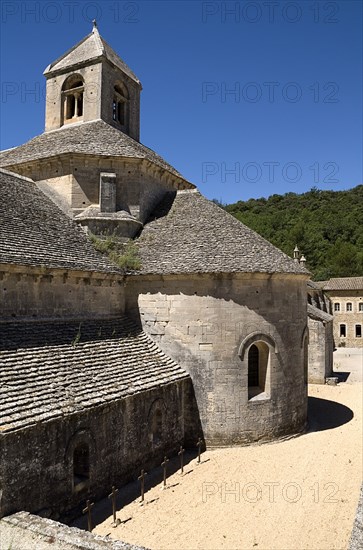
[246,99]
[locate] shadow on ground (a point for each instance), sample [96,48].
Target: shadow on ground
[342,376]
[130,492]
[326,415]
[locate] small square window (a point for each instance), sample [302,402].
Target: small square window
[358,331]
[342,331]
[349,306]
[337,307]
[361,306]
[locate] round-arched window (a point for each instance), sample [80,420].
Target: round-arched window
[72,93]
[120,105]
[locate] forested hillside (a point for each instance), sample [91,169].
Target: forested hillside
[327,226]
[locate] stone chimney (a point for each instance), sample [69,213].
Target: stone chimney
[107,192]
[296,254]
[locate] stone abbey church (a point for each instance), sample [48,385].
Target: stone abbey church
[104,371]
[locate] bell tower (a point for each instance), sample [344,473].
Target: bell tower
[90,82]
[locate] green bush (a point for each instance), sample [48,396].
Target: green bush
[124,255]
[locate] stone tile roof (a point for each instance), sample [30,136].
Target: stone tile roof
[314,285]
[319,314]
[344,283]
[319,284]
[189,234]
[34,231]
[50,369]
[90,48]
[88,138]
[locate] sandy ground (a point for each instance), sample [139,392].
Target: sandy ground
[300,493]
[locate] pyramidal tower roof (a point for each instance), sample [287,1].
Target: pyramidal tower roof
[93,47]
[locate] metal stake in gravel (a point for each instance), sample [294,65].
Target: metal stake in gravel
[181,453]
[89,506]
[164,465]
[199,445]
[113,496]
[141,478]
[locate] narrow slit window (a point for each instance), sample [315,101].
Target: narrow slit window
[253,370]
[70,106]
[358,331]
[342,331]
[157,426]
[80,105]
[81,467]
[120,113]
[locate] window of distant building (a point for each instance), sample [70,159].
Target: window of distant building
[361,306]
[343,331]
[349,306]
[336,306]
[358,331]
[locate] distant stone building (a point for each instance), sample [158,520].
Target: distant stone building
[321,342]
[346,295]
[103,370]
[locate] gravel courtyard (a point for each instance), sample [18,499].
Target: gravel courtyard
[300,493]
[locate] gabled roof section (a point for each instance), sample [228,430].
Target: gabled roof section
[344,283]
[89,138]
[91,48]
[35,232]
[187,233]
[50,369]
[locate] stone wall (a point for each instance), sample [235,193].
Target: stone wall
[121,440]
[320,350]
[207,324]
[22,531]
[37,292]
[73,182]
[348,318]
[99,80]
[92,77]
[110,76]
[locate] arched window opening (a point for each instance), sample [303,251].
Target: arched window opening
[81,467]
[73,95]
[156,422]
[120,105]
[157,427]
[258,370]
[253,360]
